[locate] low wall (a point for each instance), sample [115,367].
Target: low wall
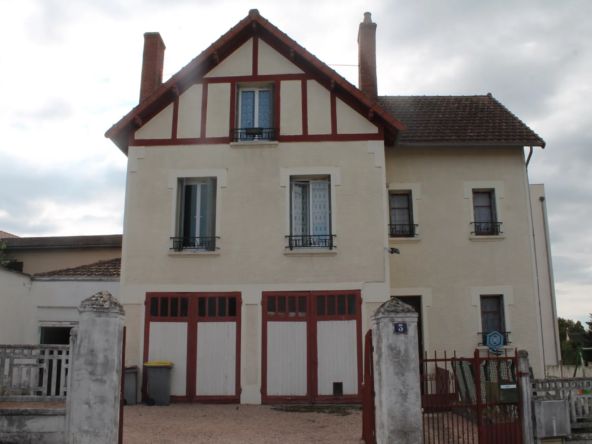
[32,426]
[567,371]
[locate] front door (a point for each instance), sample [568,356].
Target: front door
[312,347]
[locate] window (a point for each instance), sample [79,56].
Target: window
[401,214]
[255,114]
[169,307]
[492,316]
[196,215]
[310,214]
[484,212]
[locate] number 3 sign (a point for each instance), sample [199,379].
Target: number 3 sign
[400,328]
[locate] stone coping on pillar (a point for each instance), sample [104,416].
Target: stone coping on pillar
[102,302]
[395,307]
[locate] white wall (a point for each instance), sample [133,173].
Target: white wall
[14,295]
[26,305]
[450,268]
[551,346]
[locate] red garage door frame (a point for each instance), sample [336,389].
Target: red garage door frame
[312,318]
[160,307]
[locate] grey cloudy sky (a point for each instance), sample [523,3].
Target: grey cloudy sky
[70,69]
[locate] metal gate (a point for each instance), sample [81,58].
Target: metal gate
[471,400]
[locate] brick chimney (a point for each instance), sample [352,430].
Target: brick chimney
[367,57]
[152,64]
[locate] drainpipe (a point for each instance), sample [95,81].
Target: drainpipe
[551,277]
[529,156]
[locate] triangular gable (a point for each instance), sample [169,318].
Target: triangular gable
[213,57]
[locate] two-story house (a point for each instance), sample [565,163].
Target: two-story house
[264,195]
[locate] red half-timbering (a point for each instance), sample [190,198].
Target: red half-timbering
[256,27]
[278,312]
[189,308]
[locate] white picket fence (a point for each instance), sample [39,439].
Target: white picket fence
[578,392]
[34,372]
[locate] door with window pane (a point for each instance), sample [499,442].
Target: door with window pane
[311,347]
[199,333]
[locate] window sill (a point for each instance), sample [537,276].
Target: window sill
[254,144]
[304,252]
[404,240]
[194,253]
[475,238]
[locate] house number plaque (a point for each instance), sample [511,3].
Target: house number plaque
[400,328]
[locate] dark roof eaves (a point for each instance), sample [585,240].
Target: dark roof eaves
[62,247]
[475,144]
[76,278]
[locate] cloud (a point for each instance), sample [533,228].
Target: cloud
[72,69]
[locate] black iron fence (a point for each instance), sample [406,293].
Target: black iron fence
[254,134]
[311,241]
[194,243]
[402,230]
[487,228]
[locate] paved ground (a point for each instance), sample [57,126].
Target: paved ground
[232,424]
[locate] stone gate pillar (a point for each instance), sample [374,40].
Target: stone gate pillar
[396,374]
[95,380]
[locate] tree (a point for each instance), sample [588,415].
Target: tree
[568,324]
[580,337]
[5,258]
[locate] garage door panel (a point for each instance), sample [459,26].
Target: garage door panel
[216,359]
[168,342]
[337,356]
[287,359]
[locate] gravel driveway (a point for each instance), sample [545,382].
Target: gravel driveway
[222,424]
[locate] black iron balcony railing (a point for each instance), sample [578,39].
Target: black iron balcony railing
[311,241]
[194,243]
[505,334]
[402,230]
[487,228]
[253,134]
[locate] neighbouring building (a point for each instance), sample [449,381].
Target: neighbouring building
[265,194]
[39,254]
[42,308]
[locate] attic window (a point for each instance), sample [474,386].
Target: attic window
[255,111]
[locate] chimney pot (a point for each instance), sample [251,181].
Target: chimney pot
[152,64]
[367,81]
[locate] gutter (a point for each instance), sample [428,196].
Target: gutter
[76,279]
[529,156]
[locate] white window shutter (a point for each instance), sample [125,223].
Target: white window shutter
[299,209]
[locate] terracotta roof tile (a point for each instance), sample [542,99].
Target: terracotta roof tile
[458,120]
[108,268]
[57,242]
[6,235]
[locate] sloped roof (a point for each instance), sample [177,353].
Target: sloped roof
[108,268]
[59,242]
[458,120]
[205,60]
[6,235]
